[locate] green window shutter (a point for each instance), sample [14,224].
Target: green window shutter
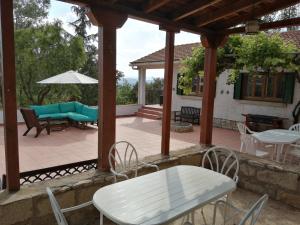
[289,85]
[237,93]
[178,90]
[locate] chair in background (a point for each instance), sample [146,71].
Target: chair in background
[250,146]
[59,212]
[244,131]
[249,143]
[251,215]
[123,159]
[294,149]
[31,121]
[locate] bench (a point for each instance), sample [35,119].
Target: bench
[188,114]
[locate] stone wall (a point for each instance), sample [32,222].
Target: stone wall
[30,205]
[280,182]
[224,123]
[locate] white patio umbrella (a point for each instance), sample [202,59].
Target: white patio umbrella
[69,77]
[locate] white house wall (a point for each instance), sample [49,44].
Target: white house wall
[228,108]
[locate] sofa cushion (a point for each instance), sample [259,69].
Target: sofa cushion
[79,117]
[78,107]
[91,112]
[66,107]
[45,109]
[54,116]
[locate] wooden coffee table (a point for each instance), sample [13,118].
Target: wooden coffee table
[58,125]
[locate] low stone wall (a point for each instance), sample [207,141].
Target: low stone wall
[280,182]
[224,123]
[30,205]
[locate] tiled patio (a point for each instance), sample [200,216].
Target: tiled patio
[72,144]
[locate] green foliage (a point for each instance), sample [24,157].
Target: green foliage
[193,66]
[154,90]
[30,13]
[126,93]
[42,52]
[263,52]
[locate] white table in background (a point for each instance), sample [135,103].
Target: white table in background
[279,138]
[161,197]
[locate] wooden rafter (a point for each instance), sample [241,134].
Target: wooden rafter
[193,8]
[141,15]
[226,11]
[153,5]
[270,25]
[259,12]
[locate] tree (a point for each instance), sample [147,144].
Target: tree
[126,94]
[42,52]
[28,13]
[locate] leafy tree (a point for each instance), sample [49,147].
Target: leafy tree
[290,12]
[42,52]
[154,90]
[126,94]
[269,53]
[193,66]
[28,13]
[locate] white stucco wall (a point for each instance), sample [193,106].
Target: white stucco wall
[228,108]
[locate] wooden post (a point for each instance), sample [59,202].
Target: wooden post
[211,44]
[9,96]
[168,80]
[108,22]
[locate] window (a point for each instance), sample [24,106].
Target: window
[265,87]
[197,86]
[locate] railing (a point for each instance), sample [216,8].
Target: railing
[153,96]
[34,176]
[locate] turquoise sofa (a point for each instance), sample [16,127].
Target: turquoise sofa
[74,111]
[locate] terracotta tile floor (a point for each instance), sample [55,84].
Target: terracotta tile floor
[73,144]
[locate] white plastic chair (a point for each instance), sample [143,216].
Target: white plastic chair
[294,149]
[123,158]
[251,215]
[228,165]
[223,161]
[59,212]
[249,145]
[295,127]
[244,130]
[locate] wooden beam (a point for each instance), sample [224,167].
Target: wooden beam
[153,5]
[9,96]
[211,44]
[167,103]
[140,15]
[267,26]
[108,23]
[228,10]
[192,8]
[258,12]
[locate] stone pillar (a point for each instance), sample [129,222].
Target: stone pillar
[142,86]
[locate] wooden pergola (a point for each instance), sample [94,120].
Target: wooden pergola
[212,19]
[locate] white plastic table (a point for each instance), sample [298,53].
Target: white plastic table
[279,138]
[161,197]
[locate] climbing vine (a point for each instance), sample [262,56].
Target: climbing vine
[262,52]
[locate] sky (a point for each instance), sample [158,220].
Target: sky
[134,40]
